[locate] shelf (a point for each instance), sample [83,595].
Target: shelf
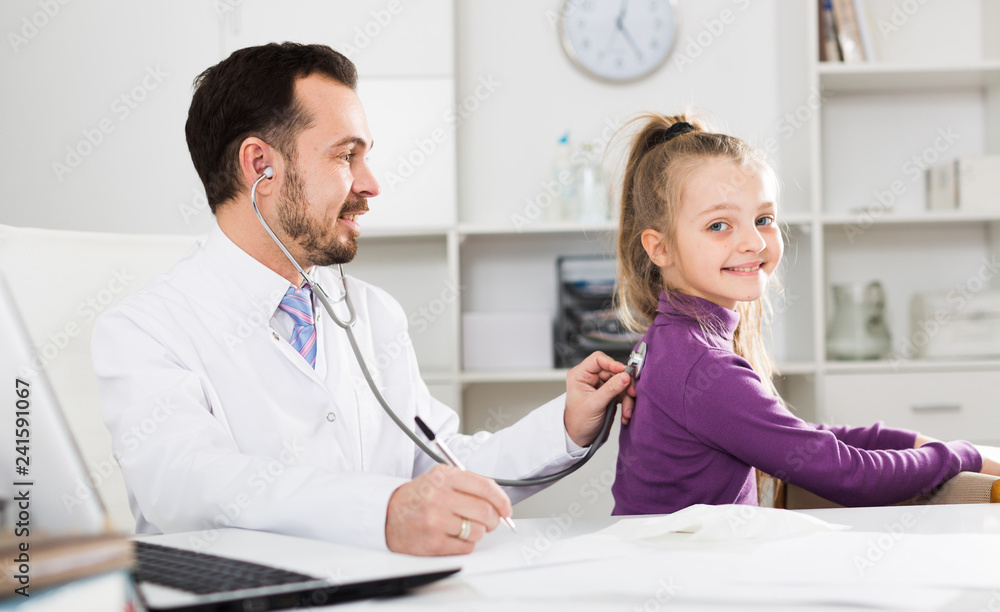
[796,368]
[377,233]
[537,228]
[885,366]
[513,376]
[876,217]
[888,78]
[795,218]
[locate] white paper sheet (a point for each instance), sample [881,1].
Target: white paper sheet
[724,523]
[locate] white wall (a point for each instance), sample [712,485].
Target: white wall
[112,82]
[506,144]
[63,78]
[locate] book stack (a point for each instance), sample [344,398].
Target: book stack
[59,573]
[845,32]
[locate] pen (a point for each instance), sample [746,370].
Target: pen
[452,460]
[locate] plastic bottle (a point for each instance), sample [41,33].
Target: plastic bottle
[593,195]
[565,181]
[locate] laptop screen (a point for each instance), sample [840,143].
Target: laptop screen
[44,468]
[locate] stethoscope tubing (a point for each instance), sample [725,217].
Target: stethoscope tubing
[348,325]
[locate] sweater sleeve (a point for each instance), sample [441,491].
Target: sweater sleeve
[873,437]
[737,415]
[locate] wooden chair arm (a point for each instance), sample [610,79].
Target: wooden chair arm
[964,488]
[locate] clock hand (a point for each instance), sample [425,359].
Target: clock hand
[621,15]
[631,42]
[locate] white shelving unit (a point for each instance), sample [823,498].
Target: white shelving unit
[871,120]
[877,126]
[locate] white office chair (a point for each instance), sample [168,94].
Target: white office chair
[62,280]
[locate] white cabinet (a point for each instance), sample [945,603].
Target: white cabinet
[858,207]
[952,405]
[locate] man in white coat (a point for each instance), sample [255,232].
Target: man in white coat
[275,429]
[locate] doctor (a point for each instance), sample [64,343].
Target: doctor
[233,399]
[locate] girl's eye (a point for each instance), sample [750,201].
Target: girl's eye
[718,226]
[765,221]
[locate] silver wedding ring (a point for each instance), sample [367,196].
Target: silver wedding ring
[466,530]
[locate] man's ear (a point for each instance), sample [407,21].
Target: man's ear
[255,156]
[657,248]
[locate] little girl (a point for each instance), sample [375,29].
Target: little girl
[698,241]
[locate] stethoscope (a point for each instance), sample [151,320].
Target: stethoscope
[633,368]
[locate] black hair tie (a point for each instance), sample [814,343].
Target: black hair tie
[681,127]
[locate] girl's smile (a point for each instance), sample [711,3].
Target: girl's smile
[726,242]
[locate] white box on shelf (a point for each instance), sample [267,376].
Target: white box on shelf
[506,341]
[970,184]
[941,187]
[950,325]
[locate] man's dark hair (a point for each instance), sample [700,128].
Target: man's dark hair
[252,93]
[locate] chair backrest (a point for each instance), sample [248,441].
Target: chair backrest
[61,281]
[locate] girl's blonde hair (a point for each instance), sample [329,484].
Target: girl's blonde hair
[662,156]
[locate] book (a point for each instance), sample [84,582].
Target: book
[26,566]
[863,18]
[828,49]
[848,34]
[111,591]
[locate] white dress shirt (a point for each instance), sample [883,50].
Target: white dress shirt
[217,421]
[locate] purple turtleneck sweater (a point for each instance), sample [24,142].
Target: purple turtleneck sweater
[703,420]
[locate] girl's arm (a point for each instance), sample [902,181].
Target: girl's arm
[738,416]
[874,437]
[990,466]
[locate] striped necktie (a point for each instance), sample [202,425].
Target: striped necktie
[298,304]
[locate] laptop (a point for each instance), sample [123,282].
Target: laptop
[223,569]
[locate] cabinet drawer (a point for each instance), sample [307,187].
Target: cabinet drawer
[944,405]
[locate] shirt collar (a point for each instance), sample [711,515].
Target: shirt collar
[718,320]
[261,285]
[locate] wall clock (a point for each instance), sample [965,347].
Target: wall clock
[618,41]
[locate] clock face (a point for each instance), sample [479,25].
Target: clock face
[618,40]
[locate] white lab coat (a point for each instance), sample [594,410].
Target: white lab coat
[217,421]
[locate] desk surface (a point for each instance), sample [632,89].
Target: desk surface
[894,558]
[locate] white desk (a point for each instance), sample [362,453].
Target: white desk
[902,558]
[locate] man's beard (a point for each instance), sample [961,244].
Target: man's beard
[318,238]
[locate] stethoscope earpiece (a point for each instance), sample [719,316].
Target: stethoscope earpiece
[269,172]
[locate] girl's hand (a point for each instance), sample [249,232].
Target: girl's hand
[990,467]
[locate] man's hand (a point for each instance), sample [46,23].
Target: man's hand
[425,515]
[590,387]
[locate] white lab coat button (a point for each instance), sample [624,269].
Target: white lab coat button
[331,417]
